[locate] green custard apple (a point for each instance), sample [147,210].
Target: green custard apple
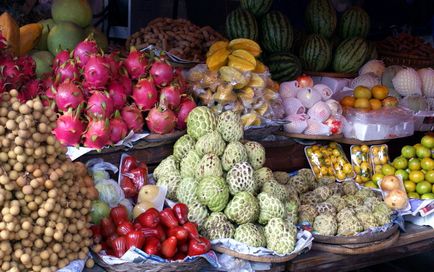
[276,189]
[209,165]
[171,182]
[230,126]
[240,178]
[325,224]
[218,226]
[182,146]
[234,153]
[197,213]
[270,207]
[186,191]
[261,176]
[243,208]
[200,121]
[212,142]
[281,177]
[213,192]
[280,235]
[255,153]
[251,235]
[189,163]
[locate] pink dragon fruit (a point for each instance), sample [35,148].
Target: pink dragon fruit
[100,105]
[68,95]
[118,128]
[161,121]
[114,63]
[97,133]
[170,97]
[60,58]
[187,105]
[96,72]
[84,50]
[162,73]
[133,117]
[31,89]
[69,128]
[67,71]
[135,64]
[126,81]
[145,94]
[118,94]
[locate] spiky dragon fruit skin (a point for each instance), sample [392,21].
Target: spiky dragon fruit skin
[187,105]
[68,95]
[69,129]
[100,105]
[97,133]
[118,94]
[31,89]
[118,129]
[114,63]
[162,73]
[67,71]
[135,64]
[60,58]
[27,66]
[145,94]
[170,97]
[161,121]
[84,50]
[96,72]
[126,82]
[10,70]
[133,117]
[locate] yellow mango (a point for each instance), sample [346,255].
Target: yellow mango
[243,54]
[29,37]
[260,67]
[218,59]
[233,76]
[217,46]
[246,44]
[225,94]
[240,64]
[10,30]
[256,81]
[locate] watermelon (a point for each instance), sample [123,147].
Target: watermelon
[354,23]
[372,51]
[320,17]
[315,53]
[256,7]
[241,24]
[283,66]
[276,32]
[350,55]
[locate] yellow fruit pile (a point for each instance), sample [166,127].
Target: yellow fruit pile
[369,99]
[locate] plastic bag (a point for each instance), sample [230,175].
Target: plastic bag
[98,169]
[110,192]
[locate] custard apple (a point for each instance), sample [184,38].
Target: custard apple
[166,167]
[309,177]
[240,178]
[182,146]
[367,219]
[309,198]
[365,193]
[200,121]
[212,142]
[307,213]
[325,224]
[337,201]
[361,209]
[371,202]
[326,180]
[336,188]
[275,189]
[281,177]
[382,218]
[299,183]
[213,192]
[349,187]
[186,191]
[209,165]
[230,126]
[251,235]
[171,182]
[345,213]
[280,235]
[381,207]
[218,226]
[261,176]
[234,153]
[350,226]
[322,192]
[255,153]
[326,208]
[188,164]
[197,213]
[291,211]
[270,207]
[353,201]
[243,208]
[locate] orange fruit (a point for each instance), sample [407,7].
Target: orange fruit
[362,92]
[375,103]
[380,91]
[362,103]
[390,101]
[348,101]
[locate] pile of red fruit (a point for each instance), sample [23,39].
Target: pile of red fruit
[167,234]
[134,175]
[103,97]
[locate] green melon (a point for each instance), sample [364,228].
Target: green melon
[315,53]
[283,66]
[321,18]
[241,23]
[276,32]
[257,7]
[354,22]
[78,12]
[100,38]
[350,55]
[47,25]
[64,35]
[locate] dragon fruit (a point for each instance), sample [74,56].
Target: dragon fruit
[67,71]
[27,66]
[407,82]
[145,94]
[10,70]
[31,89]
[118,94]
[133,117]
[118,128]
[135,64]
[162,73]
[96,72]
[170,97]
[308,97]
[69,128]
[60,58]
[97,133]
[427,77]
[319,112]
[187,105]
[126,82]
[297,123]
[373,66]
[161,121]
[84,50]
[68,95]
[100,105]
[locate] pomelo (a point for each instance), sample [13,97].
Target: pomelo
[47,25]
[74,11]
[63,36]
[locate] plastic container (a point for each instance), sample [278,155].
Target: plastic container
[361,163]
[394,194]
[343,170]
[379,155]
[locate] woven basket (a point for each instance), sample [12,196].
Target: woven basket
[391,58]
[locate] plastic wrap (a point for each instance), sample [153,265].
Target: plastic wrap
[379,156]
[361,163]
[395,189]
[110,192]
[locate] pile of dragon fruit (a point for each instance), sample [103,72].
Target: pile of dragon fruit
[101,97]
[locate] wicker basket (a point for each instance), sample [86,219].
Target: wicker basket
[391,58]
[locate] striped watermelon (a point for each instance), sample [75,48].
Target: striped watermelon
[256,7]
[372,51]
[354,23]
[321,17]
[283,66]
[315,53]
[350,55]
[276,32]
[241,24]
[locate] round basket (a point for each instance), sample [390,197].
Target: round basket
[331,74]
[248,257]
[391,58]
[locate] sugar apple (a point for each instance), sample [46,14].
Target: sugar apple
[350,226]
[270,207]
[261,176]
[361,209]
[212,142]
[251,235]
[197,213]
[182,146]
[213,192]
[353,201]
[336,188]
[166,166]
[344,213]
[230,126]
[326,180]
[188,164]
[281,177]
[381,207]
[240,178]
[234,153]
[209,165]
[371,202]
[200,121]
[243,208]
[186,191]
[349,187]
[275,189]
[382,218]
[291,211]
[337,201]
[309,198]
[299,183]
[255,154]
[218,226]
[307,174]
[323,192]
[367,219]
[307,213]
[325,224]
[280,235]
[326,208]
[365,193]
[170,181]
